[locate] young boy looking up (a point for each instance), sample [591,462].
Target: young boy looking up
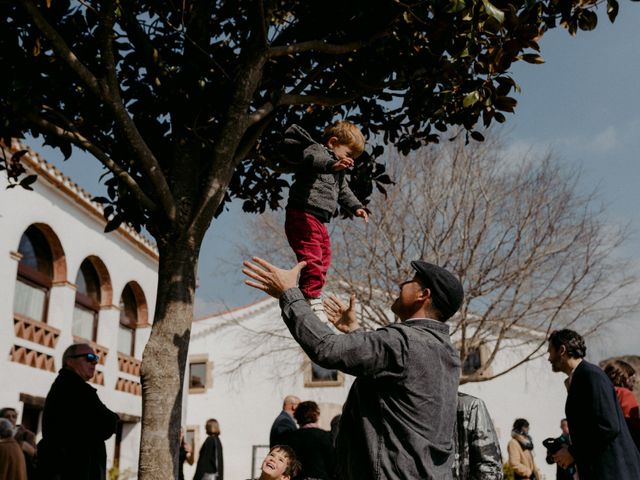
[280,464]
[319,186]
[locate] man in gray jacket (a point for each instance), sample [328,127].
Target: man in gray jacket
[477,448]
[398,420]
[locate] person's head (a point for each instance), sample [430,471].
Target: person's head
[10,414]
[212,427]
[564,426]
[565,346]
[344,139]
[6,428]
[306,413]
[433,292]
[290,403]
[81,359]
[621,374]
[521,425]
[280,464]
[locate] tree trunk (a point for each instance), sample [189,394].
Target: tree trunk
[164,360]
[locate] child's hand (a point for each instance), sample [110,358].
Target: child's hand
[342,164]
[361,212]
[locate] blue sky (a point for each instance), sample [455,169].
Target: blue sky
[583,104]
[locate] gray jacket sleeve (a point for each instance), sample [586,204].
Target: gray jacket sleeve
[346,198]
[379,353]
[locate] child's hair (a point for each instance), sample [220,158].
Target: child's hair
[347,134]
[293,465]
[620,373]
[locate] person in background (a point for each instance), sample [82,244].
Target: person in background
[75,423]
[601,445]
[520,449]
[25,438]
[313,446]
[477,450]
[185,454]
[568,473]
[284,422]
[12,464]
[623,377]
[280,464]
[210,464]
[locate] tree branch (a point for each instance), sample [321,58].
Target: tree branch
[61,47]
[110,96]
[84,143]
[321,46]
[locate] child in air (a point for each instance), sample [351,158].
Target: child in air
[319,186]
[280,464]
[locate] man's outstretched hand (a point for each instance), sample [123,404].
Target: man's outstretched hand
[343,317]
[270,279]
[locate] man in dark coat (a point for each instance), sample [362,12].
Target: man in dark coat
[75,423]
[398,420]
[284,422]
[601,445]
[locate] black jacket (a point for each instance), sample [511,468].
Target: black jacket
[601,442]
[210,458]
[75,425]
[314,450]
[283,424]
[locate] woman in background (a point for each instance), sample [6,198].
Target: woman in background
[210,465]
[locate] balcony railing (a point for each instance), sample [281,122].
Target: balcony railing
[35,331]
[128,364]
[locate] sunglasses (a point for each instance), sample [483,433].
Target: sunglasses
[90,357]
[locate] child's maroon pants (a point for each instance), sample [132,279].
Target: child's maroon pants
[309,239]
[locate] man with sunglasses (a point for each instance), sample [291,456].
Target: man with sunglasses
[75,423]
[398,420]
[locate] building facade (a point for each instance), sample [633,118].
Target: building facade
[65,281]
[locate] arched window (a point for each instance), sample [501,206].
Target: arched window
[35,272]
[85,312]
[128,321]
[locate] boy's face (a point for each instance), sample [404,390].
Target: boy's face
[340,150]
[275,464]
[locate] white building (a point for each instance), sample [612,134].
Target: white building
[64,278]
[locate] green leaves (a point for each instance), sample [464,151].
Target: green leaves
[587,20]
[612,10]
[471,98]
[493,11]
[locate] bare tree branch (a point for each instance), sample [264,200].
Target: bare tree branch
[533,252]
[85,144]
[109,93]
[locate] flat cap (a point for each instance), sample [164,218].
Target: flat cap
[446,290]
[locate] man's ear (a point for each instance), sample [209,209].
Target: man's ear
[285,477]
[425,294]
[562,350]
